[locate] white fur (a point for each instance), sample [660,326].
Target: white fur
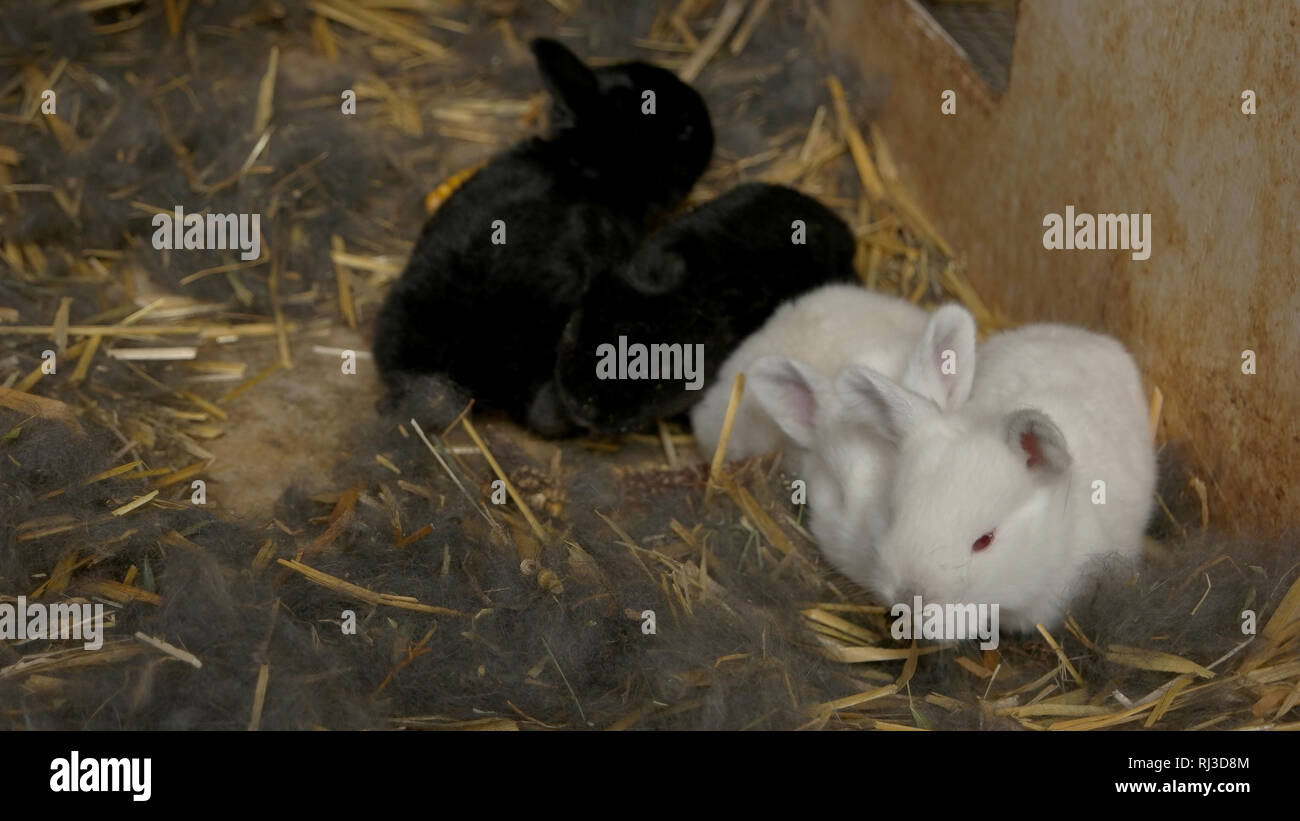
[790,403]
[964,472]
[826,329]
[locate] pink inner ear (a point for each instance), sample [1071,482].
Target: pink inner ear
[1029,444]
[801,399]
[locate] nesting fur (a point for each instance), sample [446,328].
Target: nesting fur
[557,641]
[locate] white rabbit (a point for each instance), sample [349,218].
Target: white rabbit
[789,403]
[999,500]
[826,329]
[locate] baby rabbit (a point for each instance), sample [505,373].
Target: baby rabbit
[791,404]
[703,283]
[1011,498]
[825,329]
[500,265]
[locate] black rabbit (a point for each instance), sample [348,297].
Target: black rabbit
[500,266]
[703,283]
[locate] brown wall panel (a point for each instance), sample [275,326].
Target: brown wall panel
[1129,107]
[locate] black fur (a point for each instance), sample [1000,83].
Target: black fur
[574,205]
[711,277]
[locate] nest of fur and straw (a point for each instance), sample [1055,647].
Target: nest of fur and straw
[473,614]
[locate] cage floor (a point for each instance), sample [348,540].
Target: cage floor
[351,567]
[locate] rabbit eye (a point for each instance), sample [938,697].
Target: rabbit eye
[982,542]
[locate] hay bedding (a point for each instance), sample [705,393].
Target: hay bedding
[469,614]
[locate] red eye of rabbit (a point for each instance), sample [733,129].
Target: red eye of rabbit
[982,542]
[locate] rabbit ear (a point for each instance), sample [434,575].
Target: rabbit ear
[793,394]
[872,397]
[570,82]
[942,365]
[1036,437]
